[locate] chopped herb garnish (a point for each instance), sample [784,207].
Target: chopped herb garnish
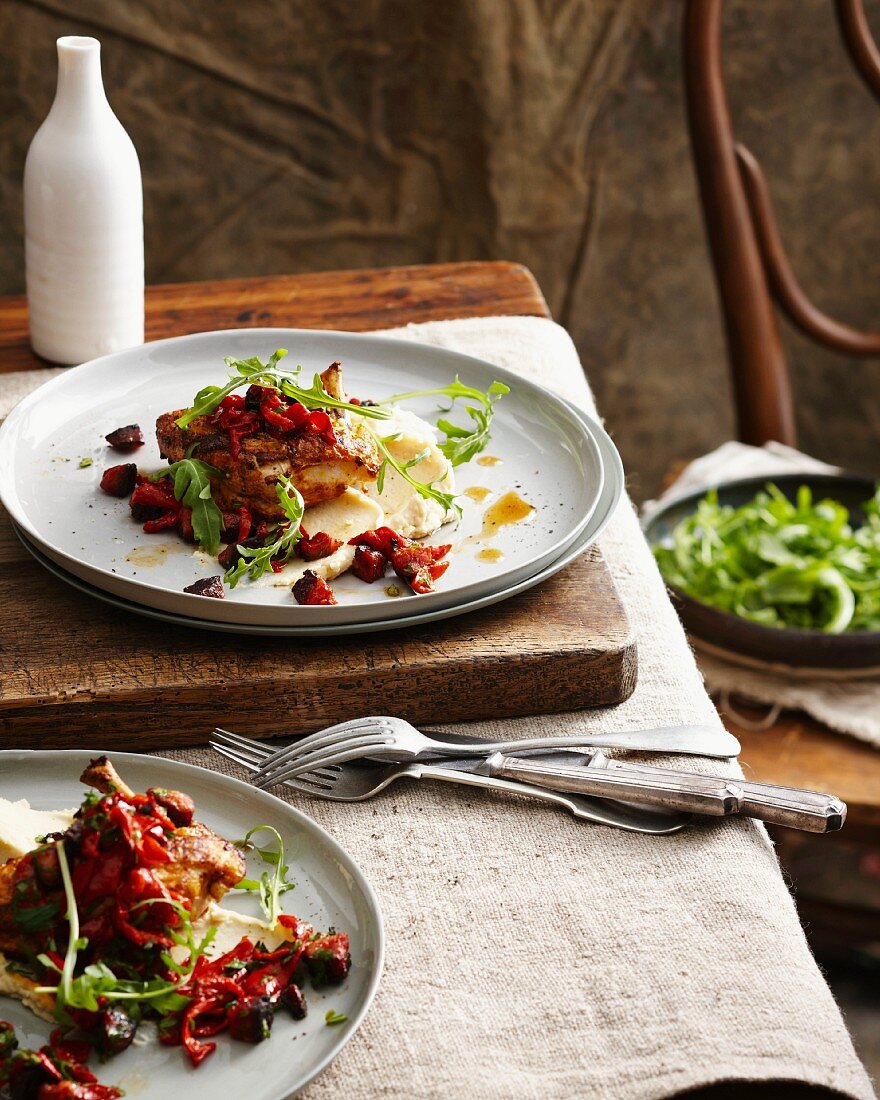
[331,1017]
[392,590]
[84,462]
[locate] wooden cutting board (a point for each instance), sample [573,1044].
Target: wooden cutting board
[75,671]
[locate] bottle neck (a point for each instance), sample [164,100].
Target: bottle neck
[80,88]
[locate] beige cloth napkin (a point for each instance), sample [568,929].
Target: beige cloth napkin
[848,702]
[532,956]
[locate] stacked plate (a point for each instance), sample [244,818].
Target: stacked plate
[543,449]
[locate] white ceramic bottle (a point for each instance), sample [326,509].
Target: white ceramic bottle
[83,218]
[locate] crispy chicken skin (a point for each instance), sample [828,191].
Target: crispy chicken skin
[203,865]
[319,470]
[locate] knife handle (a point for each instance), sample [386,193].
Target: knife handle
[810,811]
[671,790]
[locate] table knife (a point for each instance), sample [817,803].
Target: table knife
[710,740]
[595,774]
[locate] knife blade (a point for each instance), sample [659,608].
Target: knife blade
[709,741]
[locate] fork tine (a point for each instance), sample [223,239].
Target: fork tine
[257,751]
[313,783]
[320,738]
[293,771]
[234,740]
[320,758]
[256,755]
[310,783]
[243,756]
[244,742]
[236,757]
[314,756]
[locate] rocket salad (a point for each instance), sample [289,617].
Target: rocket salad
[803,565]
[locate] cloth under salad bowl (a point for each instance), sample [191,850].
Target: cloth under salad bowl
[742,637]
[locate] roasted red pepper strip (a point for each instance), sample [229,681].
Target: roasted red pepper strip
[311,589]
[420,566]
[369,564]
[236,419]
[317,546]
[413,562]
[382,539]
[163,523]
[157,494]
[245,521]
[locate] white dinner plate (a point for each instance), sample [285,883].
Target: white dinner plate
[330,890]
[545,452]
[612,490]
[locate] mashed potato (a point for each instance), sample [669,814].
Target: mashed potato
[399,506]
[406,511]
[21,826]
[341,518]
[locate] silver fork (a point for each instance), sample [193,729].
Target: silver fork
[356,783]
[383,737]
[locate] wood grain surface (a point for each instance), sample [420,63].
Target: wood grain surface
[798,751]
[75,671]
[78,671]
[355,301]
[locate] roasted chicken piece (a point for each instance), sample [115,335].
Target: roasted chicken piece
[203,865]
[319,469]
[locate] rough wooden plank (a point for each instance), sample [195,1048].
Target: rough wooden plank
[797,751]
[356,301]
[75,668]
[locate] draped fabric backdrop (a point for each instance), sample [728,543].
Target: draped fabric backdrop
[300,135]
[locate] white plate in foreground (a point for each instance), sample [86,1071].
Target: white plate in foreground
[330,890]
[545,453]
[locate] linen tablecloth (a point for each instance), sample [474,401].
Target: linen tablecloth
[531,955]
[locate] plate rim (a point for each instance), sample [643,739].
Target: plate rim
[614,484]
[33,757]
[108,580]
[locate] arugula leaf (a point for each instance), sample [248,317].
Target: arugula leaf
[244,372]
[798,564]
[254,372]
[256,561]
[316,397]
[192,487]
[270,887]
[428,490]
[463,443]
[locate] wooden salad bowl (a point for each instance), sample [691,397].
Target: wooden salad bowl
[765,644]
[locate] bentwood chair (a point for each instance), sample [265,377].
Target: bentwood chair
[752,270]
